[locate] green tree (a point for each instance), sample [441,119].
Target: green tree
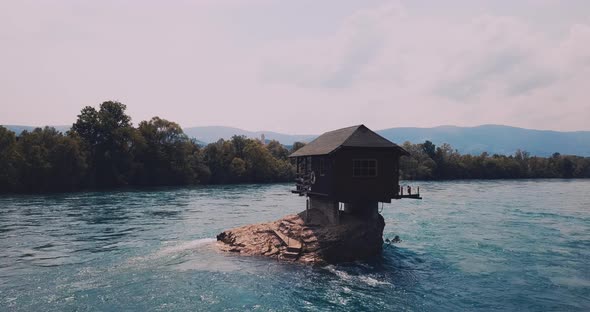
[238,169]
[238,143]
[51,161]
[429,149]
[107,135]
[296,146]
[260,165]
[218,157]
[9,162]
[418,165]
[277,150]
[167,155]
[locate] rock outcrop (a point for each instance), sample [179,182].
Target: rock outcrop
[314,241]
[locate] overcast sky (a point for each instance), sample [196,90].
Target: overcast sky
[299,66]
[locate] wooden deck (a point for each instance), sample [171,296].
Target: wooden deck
[412,196]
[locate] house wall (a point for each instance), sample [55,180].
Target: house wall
[323,183]
[381,188]
[366,209]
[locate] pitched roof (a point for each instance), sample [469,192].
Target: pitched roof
[355,136]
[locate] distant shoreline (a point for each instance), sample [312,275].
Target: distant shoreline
[104,151]
[494,139]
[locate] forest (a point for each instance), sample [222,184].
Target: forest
[428,162]
[104,150]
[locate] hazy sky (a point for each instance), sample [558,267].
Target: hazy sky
[299,66]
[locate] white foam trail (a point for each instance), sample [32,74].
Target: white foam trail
[170,251]
[343,275]
[352,278]
[185,246]
[371,281]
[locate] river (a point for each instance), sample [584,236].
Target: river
[468,245]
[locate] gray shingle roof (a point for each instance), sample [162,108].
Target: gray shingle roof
[355,136]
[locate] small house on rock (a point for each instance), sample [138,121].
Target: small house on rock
[348,171]
[344,174]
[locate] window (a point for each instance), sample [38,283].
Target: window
[364,168]
[322,167]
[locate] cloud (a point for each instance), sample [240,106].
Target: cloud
[480,68]
[287,66]
[335,62]
[458,61]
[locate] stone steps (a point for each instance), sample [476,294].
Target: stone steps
[294,249]
[289,242]
[293,246]
[290,255]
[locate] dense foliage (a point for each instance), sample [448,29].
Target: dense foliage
[104,150]
[428,162]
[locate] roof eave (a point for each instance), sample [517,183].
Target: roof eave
[306,155]
[403,151]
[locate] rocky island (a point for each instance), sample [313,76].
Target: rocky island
[313,242]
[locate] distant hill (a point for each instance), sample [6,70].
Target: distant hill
[18,129]
[213,133]
[494,139]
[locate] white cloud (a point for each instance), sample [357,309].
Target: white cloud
[303,66]
[485,69]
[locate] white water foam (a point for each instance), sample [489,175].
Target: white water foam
[171,251]
[184,246]
[355,278]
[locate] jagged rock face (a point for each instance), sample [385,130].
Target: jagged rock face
[352,239]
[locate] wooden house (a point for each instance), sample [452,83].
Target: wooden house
[352,166]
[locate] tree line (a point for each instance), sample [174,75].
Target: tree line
[104,150]
[429,162]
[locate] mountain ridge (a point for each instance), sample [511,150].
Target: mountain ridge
[491,138]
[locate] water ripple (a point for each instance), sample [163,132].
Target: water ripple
[468,246]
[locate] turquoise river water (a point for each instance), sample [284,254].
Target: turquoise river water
[467,246]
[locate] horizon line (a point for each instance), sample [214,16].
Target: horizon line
[315,134]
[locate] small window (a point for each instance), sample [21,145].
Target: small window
[322,167]
[364,168]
